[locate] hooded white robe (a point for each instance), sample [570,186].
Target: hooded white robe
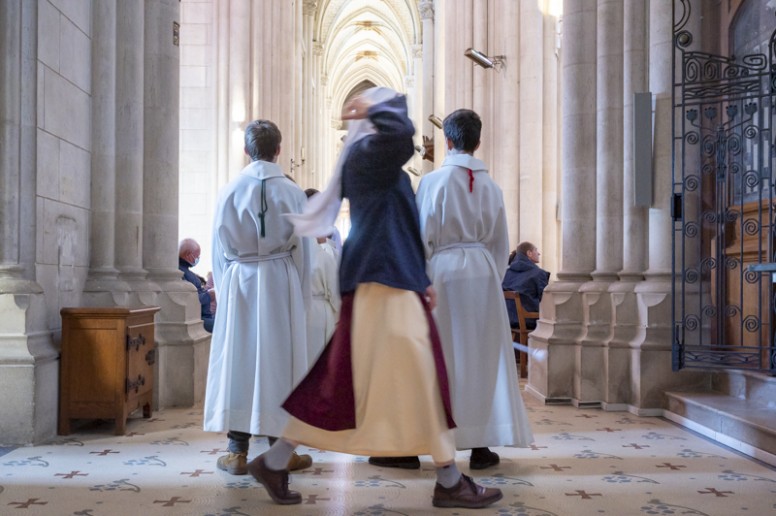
[465,236]
[259,348]
[325,303]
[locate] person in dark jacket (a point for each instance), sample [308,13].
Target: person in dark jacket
[526,278]
[188,257]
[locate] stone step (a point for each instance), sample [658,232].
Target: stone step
[744,425]
[746,385]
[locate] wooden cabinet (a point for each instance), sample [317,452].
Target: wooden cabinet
[106,365]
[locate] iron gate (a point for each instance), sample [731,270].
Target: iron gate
[723,206]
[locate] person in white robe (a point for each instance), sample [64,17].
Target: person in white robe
[464,231]
[261,271]
[324,288]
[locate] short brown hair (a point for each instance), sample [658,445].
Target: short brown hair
[262,139]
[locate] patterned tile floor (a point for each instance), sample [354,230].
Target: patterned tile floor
[584,462]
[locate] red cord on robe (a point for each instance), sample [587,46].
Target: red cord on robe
[471,181]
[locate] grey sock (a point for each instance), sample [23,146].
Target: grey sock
[448,476]
[277,457]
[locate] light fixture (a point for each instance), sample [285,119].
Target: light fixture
[483,60]
[435,120]
[413,171]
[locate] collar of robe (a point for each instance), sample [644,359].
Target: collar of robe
[468,162]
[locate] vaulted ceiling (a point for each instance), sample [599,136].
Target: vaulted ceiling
[366,41]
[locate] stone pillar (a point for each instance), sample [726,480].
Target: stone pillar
[182,342]
[550,143]
[505,129]
[561,325]
[592,356]
[272,93]
[239,110]
[635,64]
[129,150]
[29,371]
[426,8]
[529,224]
[103,287]
[443,26]
[318,122]
[310,167]
[651,351]
[624,303]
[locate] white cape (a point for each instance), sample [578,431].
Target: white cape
[259,348]
[465,236]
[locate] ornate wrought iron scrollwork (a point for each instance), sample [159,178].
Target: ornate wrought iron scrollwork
[723,158]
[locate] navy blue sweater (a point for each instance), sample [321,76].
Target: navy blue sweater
[384,244]
[525,277]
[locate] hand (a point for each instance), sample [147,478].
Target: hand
[431,297]
[356,108]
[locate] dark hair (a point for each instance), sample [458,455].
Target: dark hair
[262,139]
[463,127]
[310,192]
[525,247]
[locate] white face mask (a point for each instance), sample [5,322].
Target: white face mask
[196,261]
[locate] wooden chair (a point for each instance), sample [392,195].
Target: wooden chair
[520,334]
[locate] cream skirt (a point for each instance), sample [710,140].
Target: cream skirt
[399,409]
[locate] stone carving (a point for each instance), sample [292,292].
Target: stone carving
[426,8]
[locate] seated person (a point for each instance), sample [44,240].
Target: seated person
[188,257]
[526,278]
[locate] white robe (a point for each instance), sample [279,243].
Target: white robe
[466,242]
[258,350]
[325,303]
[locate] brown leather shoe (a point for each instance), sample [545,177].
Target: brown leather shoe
[233,463]
[276,482]
[298,462]
[465,494]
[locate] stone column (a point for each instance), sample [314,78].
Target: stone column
[550,143]
[635,64]
[102,285]
[593,357]
[624,303]
[529,223]
[561,325]
[272,91]
[129,149]
[479,93]
[182,342]
[309,135]
[651,352]
[443,25]
[504,131]
[318,123]
[29,372]
[426,8]
[238,104]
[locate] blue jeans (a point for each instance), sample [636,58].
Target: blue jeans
[238,441]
